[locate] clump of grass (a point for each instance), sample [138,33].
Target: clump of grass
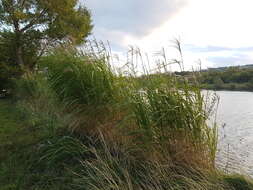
[80,78]
[85,83]
[113,167]
[40,105]
[238,182]
[172,120]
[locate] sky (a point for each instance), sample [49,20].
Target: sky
[216,32]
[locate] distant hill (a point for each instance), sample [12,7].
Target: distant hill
[238,78]
[250,66]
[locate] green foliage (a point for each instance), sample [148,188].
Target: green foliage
[229,79]
[58,150]
[79,78]
[113,167]
[148,134]
[239,182]
[171,116]
[218,82]
[30,28]
[40,105]
[60,19]
[8,68]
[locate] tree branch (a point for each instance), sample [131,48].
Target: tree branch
[22,2]
[34,21]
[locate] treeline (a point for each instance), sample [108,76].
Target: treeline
[231,78]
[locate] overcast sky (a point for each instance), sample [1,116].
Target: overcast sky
[218,32]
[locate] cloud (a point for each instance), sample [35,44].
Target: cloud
[220,56]
[201,49]
[218,39]
[136,18]
[233,60]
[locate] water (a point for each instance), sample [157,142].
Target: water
[235,114]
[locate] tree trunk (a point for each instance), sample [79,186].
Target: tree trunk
[19,55]
[18,48]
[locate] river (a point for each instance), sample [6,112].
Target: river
[235,118]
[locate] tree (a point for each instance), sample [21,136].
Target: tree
[29,27]
[218,82]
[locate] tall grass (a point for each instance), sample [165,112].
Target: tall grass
[40,104]
[105,130]
[172,121]
[161,114]
[115,168]
[80,78]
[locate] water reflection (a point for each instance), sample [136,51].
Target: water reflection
[235,112]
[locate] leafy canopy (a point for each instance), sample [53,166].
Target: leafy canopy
[29,28]
[53,19]
[32,26]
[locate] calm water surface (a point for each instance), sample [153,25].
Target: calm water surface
[235,114]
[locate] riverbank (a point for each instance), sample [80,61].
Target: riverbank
[21,167]
[227,78]
[82,126]
[245,87]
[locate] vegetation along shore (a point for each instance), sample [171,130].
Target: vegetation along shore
[71,120]
[236,78]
